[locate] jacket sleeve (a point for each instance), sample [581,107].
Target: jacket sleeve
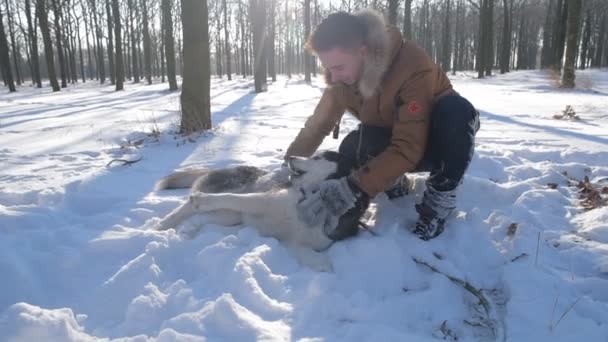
[328,112]
[409,135]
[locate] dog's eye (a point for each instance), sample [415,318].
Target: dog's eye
[316,158]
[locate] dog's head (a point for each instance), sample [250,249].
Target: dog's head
[310,172]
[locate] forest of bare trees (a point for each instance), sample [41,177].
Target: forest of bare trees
[61,42]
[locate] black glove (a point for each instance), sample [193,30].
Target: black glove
[325,205]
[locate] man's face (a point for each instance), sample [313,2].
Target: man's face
[344,65]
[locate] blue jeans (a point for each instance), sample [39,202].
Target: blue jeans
[450,146]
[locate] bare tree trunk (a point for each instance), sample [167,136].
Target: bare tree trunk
[288,59]
[407,20]
[218,45]
[258,9]
[243,41]
[559,34]
[521,45]
[586,39]
[599,49]
[147,43]
[127,45]
[162,47]
[33,45]
[169,42]
[306,34]
[547,50]
[271,41]
[134,56]
[48,45]
[120,70]
[110,44]
[82,72]
[26,40]
[5,59]
[195,97]
[481,40]
[15,48]
[446,50]
[574,14]
[58,38]
[71,42]
[86,32]
[489,29]
[505,54]
[393,6]
[101,67]
[227,41]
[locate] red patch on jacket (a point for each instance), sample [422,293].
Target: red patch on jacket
[413,107]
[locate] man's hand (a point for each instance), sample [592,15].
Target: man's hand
[324,206]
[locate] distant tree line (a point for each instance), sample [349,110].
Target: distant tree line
[69,41]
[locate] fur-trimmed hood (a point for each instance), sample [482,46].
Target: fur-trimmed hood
[383,44]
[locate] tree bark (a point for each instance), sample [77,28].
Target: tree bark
[134,57]
[101,67]
[599,48]
[574,14]
[227,41]
[546,59]
[559,34]
[86,32]
[195,96]
[407,20]
[586,39]
[120,69]
[306,34]
[110,44]
[15,48]
[58,38]
[393,6]
[80,53]
[48,44]
[147,42]
[33,45]
[258,9]
[446,51]
[505,53]
[169,43]
[5,59]
[489,29]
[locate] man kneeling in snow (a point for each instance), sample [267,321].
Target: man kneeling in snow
[411,120]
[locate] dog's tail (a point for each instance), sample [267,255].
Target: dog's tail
[180,179]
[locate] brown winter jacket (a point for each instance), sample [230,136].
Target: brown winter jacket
[397,89]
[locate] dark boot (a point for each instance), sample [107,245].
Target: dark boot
[454,124]
[433,211]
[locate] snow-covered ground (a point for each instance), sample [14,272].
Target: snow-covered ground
[77,264]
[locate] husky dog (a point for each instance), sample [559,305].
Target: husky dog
[253,197]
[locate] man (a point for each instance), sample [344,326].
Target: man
[411,120]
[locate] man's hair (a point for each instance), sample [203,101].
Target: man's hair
[339,29]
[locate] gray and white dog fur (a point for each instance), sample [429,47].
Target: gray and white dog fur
[265,201]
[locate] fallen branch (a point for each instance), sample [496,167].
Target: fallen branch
[123,161]
[478,293]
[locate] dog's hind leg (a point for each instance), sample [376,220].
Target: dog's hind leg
[252,203]
[219,217]
[187,210]
[177,216]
